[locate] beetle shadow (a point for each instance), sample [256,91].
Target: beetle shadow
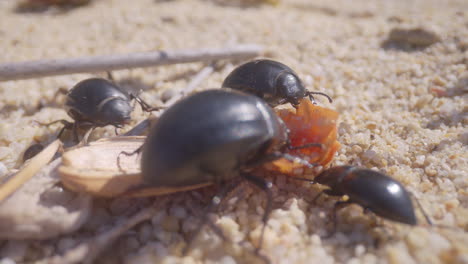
[42,7]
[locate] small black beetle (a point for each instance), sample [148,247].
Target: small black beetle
[270,80]
[373,190]
[97,102]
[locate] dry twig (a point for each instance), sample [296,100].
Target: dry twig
[43,68]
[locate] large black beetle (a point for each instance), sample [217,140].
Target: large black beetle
[213,137]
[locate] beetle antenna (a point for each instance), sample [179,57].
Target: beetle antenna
[144,105]
[428,220]
[426,216]
[310,94]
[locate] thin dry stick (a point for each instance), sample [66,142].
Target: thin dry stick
[42,68]
[88,251]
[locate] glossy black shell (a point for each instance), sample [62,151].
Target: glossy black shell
[98,102]
[373,190]
[270,80]
[209,137]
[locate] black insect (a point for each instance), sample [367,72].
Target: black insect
[373,190]
[213,137]
[270,80]
[97,102]
[32,151]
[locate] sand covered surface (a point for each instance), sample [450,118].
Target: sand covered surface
[402,104]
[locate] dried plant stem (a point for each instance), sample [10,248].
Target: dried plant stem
[43,68]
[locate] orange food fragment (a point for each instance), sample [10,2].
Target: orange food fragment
[309,123]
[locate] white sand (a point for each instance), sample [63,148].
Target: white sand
[390,120]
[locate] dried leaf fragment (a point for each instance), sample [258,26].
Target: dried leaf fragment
[93,169]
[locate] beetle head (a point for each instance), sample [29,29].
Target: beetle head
[116,111]
[289,86]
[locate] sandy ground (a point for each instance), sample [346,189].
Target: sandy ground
[403,111]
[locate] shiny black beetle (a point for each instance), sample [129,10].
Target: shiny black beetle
[213,137]
[97,102]
[373,190]
[210,137]
[270,80]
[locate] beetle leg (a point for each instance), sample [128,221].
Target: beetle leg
[212,207]
[428,220]
[311,97]
[265,186]
[63,121]
[314,201]
[84,140]
[144,105]
[338,205]
[66,125]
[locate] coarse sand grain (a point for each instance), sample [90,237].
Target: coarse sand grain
[403,111]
